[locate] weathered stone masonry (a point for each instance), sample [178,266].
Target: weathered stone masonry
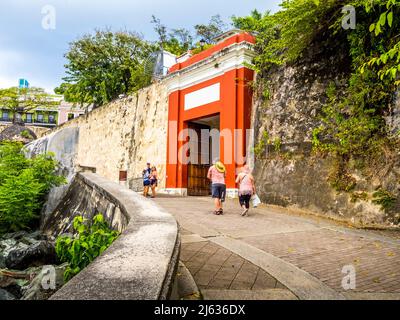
[297,95]
[123,135]
[141,264]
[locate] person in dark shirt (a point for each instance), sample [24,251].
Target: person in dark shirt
[146,180]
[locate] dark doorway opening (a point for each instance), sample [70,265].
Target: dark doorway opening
[204,147]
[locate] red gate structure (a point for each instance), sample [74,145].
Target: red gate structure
[213,83]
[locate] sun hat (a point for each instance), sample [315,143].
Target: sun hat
[220,167]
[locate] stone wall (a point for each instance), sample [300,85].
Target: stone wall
[123,135]
[64,145]
[141,264]
[84,198]
[39,131]
[298,93]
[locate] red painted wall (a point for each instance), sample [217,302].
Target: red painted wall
[234,109]
[238,38]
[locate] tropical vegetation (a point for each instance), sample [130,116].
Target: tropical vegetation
[24,184]
[91,240]
[19,101]
[352,122]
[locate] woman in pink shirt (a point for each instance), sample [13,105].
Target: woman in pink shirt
[217,174]
[246,188]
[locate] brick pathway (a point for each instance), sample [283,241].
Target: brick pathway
[214,267]
[324,253]
[315,246]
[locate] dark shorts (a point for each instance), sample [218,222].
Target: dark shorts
[153,183]
[146,183]
[245,200]
[218,191]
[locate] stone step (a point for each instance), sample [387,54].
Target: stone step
[270,294]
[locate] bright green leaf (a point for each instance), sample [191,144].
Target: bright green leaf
[390,18]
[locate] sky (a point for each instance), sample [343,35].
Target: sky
[35,34]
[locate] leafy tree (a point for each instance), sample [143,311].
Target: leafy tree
[208,32]
[386,27]
[249,23]
[160,29]
[177,41]
[12,160]
[283,37]
[105,65]
[268,31]
[184,38]
[355,120]
[73,94]
[19,203]
[24,184]
[20,101]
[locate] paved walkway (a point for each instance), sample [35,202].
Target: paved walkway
[275,255]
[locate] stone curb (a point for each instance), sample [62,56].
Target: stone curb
[141,264]
[187,287]
[271,294]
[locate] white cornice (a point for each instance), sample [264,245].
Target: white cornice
[230,58]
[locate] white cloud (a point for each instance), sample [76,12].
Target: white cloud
[9,59]
[10,62]
[28,51]
[15,65]
[7,82]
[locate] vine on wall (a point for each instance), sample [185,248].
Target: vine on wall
[353,128]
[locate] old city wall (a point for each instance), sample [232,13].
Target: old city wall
[123,135]
[287,172]
[39,131]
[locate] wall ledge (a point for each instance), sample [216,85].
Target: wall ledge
[141,264]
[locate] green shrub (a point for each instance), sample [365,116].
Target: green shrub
[384,198]
[260,147]
[90,242]
[277,145]
[200,49]
[358,196]
[19,203]
[25,134]
[12,160]
[339,178]
[24,184]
